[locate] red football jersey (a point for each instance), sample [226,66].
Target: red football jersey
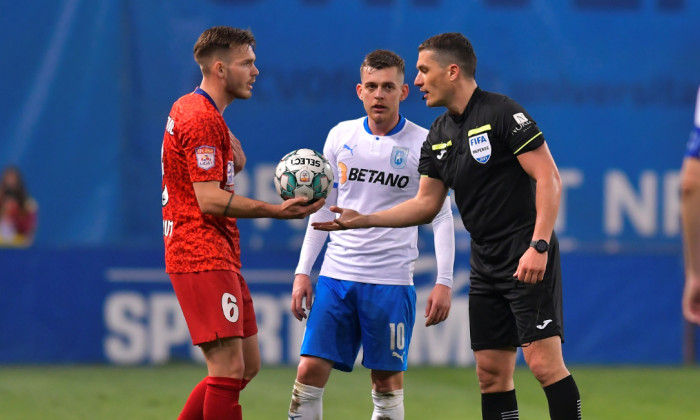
[196,147]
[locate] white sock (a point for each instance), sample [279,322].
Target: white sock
[388,405]
[307,402]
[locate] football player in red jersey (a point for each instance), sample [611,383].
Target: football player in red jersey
[199,159]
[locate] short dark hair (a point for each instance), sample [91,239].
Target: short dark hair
[220,38]
[383,59]
[454,47]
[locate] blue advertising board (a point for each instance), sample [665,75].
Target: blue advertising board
[108,305]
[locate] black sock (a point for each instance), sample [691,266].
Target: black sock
[564,400]
[499,406]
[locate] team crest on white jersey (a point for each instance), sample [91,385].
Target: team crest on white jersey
[480,147]
[399,157]
[205,156]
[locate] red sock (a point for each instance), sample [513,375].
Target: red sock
[221,399]
[244,382]
[194,407]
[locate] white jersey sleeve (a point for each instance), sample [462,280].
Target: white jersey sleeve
[444,237]
[315,239]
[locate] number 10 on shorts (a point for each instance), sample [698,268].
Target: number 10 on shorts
[398,336]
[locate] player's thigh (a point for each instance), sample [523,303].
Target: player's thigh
[332,329]
[387,317]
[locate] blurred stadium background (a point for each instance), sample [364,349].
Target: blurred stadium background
[89,85]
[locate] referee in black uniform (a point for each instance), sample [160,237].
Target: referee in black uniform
[489,150]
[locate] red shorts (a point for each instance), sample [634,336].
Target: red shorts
[216,304]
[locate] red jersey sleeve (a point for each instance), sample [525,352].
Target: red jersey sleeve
[203,149]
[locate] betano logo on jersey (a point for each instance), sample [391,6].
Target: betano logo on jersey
[372,176]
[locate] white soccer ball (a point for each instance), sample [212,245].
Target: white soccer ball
[303,173]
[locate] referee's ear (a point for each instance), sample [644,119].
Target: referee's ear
[453,71]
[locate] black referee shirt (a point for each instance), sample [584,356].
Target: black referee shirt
[475,154]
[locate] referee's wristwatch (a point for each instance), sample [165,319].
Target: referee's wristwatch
[540,246]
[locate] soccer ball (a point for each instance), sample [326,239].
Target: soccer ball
[303,173]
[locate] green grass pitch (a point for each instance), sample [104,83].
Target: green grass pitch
[110,392]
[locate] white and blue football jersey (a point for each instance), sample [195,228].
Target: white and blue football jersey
[372,173]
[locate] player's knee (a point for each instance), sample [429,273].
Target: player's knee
[547,371]
[487,377]
[251,369]
[493,378]
[385,385]
[382,386]
[386,381]
[313,371]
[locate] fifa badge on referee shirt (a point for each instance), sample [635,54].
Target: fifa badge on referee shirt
[480,147]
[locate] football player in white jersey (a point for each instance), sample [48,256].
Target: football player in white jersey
[365,294]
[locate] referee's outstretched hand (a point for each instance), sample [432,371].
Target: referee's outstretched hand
[531,267]
[347,219]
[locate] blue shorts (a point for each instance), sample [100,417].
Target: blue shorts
[347,314]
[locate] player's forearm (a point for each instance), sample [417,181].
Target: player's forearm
[217,202]
[547,196]
[411,212]
[418,210]
[444,239]
[313,242]
[248,208]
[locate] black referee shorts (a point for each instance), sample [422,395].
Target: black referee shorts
[504,312]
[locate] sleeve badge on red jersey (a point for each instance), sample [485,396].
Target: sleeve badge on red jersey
[205,157]
[230,173]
